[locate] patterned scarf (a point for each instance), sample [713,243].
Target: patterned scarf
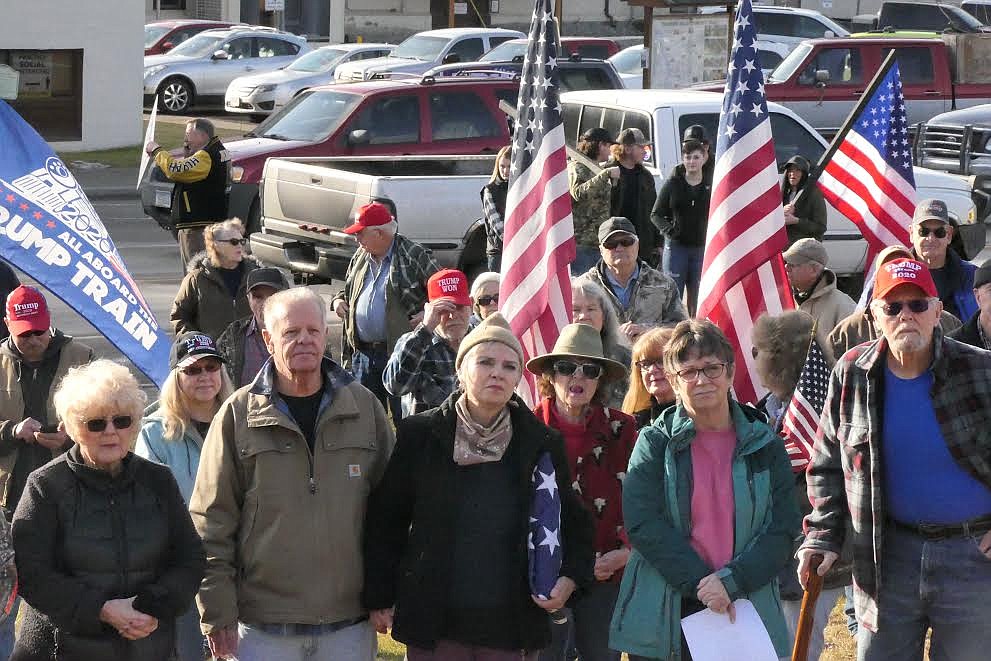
[475,443]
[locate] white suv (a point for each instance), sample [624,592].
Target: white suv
[789,25]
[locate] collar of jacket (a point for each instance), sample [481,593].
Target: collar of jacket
[99,479]
[201,261]
[334,378]
[526,427]
[58,341]
[873,357]
[822,285]
[265,403]
[750,437]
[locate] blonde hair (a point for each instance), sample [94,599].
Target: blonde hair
[505,152]
[649,346]
[210,232]
[100,388]
[173,404]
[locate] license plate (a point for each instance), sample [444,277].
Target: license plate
[163,199]
[233,103]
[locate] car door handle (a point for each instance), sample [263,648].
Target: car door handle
[857,92]
[316,180]
[249,68]
[932,93]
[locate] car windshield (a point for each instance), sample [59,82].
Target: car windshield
[505,52]
[790,64]
[317,60]
[961,20]
[153,33]
[199,46]
[419,47]
[627,60]
[311,116]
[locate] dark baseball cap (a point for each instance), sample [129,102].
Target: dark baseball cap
[598,134]
[632,136]
[269,276]
[614,225]
[190,347]
[983,274]
[931,209]
[695,132]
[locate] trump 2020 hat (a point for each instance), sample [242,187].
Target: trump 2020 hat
[190,347]
[27,311]
[449,284]
[903,272]
[373,214]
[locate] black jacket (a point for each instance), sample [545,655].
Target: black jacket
[205,201]
[681,212]
[410,528]
[810,211]
[646,195]
[969,333]
[82,537]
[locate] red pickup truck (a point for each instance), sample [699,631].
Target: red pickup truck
[822,79]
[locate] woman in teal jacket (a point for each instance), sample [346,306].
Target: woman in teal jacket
[172,434]
[707,504]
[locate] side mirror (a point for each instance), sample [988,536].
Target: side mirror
[220,55]
[828,34]
[822,78]
[168,45]
[359,137]
[451,58]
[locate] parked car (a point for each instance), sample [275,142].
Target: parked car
[425,50]
[587,48]
[979,9]
[789,25]
[198,71]
[959,141]
[573,74]
[163,36]
[937,17]
[375,118]
[629,62]
[261,94]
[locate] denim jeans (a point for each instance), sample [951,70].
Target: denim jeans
[824,606]
[684,265]
[367,369]
[944,585]
[189,639]
[585,259]
[589,623]
[354,643]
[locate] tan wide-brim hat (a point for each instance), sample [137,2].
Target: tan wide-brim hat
[578,342]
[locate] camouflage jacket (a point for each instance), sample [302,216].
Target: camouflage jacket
[654,300]
[590,199]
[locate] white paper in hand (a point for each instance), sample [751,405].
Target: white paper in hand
[711,637]
[149,136]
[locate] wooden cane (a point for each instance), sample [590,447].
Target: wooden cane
[806,617]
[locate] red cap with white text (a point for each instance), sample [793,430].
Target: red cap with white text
[449,284]
[27,311]
[903,272]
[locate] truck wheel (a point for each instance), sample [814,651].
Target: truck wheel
[175,96]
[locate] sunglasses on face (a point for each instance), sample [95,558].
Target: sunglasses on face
[712,371]
[195,370]
[647,364]
[37,333]
[612,244]
[487,300]
[97,425]
[938,232]
[234,242]
[569,367]
[916,305]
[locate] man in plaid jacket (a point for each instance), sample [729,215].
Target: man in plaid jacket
[904,451]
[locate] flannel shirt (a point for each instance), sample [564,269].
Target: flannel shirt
[494,223]
[845,475]
[421,369]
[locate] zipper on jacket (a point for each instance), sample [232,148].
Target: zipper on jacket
[629,597]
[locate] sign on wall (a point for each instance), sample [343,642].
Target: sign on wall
[36,72]
[275,5]
[687,49]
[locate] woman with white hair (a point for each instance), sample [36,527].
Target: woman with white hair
[447,527]
[590,305]
[484,297]
[214,291]
[106,553]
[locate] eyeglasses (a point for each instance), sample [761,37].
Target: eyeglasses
[939,232]
[612,244]
[234,242]
[712,371]
[646,364]
[34,333]
[916,305]
[97,425]
[569,367]
[487,300]
[195,370]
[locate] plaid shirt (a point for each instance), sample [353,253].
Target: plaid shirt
[845,476]
[494,222]
[421,368]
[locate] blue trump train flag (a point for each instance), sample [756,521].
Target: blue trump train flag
[49,230]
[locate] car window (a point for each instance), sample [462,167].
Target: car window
[390,120]
[569,115]
[707,120]
[460,115]
[505,52]
[202,45]
[627,61]
[180,36]
[238,49]
[468,50]
[590,119]
[593,51]
[791,139]
[914,64]
[612,121]
[583,78]
[777,23]
[809,28]
[843,64]
[768,59]
[637,120]
[153,33]
[268,47]
[495,41]
[311,116]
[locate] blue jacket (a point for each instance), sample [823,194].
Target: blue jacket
[963,293]
[181,456]
[663,567]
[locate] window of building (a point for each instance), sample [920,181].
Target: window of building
[50,96]
[172,4]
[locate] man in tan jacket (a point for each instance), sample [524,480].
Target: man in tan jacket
[814,287]
[280,499]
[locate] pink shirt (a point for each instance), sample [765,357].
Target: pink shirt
[712,496]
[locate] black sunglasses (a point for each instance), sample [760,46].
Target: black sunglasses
[487,300]
[626,242]
[939,232]
[569,367]
[234,242]
[97,425]
[195,370]
[916,305]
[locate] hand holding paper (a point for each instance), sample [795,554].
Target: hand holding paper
[713,637]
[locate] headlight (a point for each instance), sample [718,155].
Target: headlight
[237,173]
[972,214]
[151,71]
[264,88]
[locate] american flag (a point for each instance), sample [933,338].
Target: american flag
[743,275]
[869,179]
[802,416]
[544,541]
[539,237]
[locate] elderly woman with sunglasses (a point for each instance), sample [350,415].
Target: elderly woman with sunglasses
[484,297]
[173,433]
[650,391]
[590,305]
[107,556]
[598,441]
[707,504]
[213,293]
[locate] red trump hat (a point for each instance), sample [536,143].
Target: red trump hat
[373,214]
[903,272]
[449,284]
[27,311]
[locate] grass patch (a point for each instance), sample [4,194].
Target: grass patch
[390,650]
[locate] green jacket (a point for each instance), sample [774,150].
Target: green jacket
[663,567]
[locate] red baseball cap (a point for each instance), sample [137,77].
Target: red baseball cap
[27,311]
[448,284]
[373,214]
[903,272]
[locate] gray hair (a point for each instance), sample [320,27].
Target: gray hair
[482,280]
[610,322]
[279,302]
[203,125]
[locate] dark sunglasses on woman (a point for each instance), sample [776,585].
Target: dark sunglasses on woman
[195,370]
[487,300]
[234,242]
[916,305]
[97,425]
[569,367]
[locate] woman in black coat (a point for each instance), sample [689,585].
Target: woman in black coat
[106,553]
[446,531]
[804,206]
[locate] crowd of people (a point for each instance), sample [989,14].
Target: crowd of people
[277,504]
